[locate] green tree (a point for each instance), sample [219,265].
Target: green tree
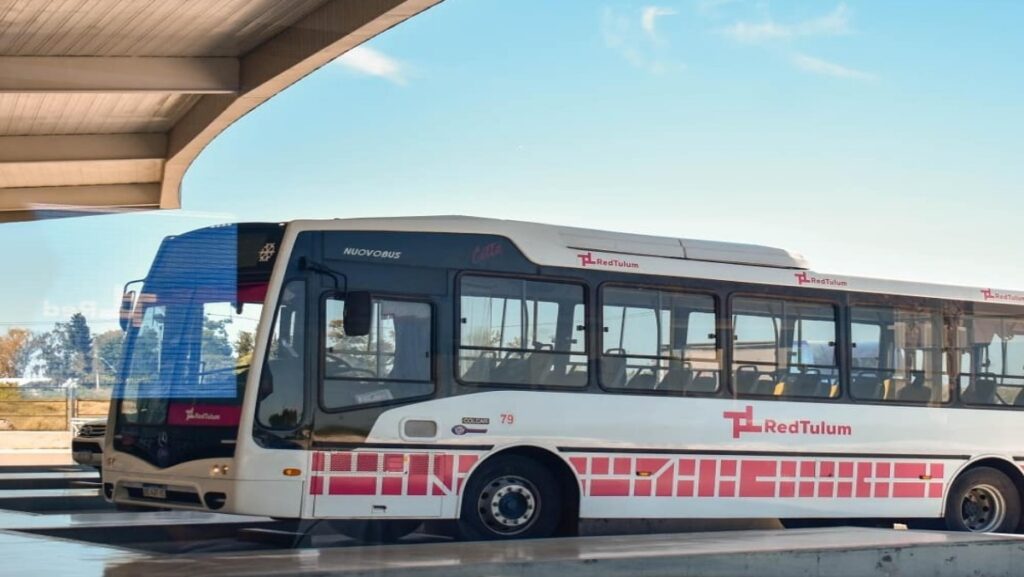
[145,357]
[244,344]
[54,353]
[79,338]
[15,352]
[108,347]
[66,351]
[217,352]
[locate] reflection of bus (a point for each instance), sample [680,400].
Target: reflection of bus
[517,377]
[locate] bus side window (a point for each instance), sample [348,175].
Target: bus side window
[521,332]
[392,362]
[991,367]
[784,349]
[898,355]
[282,381]
[658,341]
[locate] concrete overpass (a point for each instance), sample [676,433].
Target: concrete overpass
[104,104]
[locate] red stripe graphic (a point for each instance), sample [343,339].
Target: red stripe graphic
[753,477]
[438,474]
[434,474]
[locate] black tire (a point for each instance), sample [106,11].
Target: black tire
[983,500]
[511,497]
[367,531]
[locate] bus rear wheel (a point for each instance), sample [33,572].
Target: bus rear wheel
[983,500]
[510,497]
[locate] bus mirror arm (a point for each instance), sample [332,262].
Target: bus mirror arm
[125,314]
[340,282]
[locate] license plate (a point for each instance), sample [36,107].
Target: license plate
[154,491]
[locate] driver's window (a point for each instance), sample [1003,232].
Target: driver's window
[282,380]
[391,362]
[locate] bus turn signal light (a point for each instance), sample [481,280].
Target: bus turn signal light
[292,472]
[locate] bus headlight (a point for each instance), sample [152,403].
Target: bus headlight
[218,470]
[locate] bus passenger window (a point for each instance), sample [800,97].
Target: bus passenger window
[991,359]
[784,348]
[392,362]
[897,355]
[653,340]
[521,332]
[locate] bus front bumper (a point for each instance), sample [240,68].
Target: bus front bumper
[278,498]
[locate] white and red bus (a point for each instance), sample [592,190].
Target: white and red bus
[517,377]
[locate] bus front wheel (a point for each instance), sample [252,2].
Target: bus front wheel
[983,500]
[510,497]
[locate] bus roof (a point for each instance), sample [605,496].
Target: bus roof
[552,245]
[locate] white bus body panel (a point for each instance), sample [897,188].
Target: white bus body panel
[578,248]
[665,457]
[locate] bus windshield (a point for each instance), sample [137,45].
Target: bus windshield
[188,360]
[190,341]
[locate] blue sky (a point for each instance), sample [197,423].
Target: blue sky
[877,138]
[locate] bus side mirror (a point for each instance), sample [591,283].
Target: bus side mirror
[125,314]
[358,313]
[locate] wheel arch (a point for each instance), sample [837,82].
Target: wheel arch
[558,465]
[998,462]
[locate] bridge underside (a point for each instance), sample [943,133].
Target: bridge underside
[105,104]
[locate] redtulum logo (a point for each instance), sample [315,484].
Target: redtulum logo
[991,295]
[191,414]
[588,259]
[743,422]
[803,278]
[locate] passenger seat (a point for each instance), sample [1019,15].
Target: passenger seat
[613,369]
[982,391]
[867,386]
[678,377]
[915,391]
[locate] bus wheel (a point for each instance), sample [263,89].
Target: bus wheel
[510,497]
[983,500]
[388,531]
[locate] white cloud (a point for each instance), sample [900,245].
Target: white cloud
[760,32]
[835,23]
[637,42]
[649,17]
[711,7]
[826,68]
[366,60]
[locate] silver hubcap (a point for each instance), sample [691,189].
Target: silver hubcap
[983,508]
[509,505]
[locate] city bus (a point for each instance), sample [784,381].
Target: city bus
[513,378]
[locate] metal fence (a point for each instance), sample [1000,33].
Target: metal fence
[50,408]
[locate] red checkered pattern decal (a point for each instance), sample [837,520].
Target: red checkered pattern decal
[603,475]
[387,473]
